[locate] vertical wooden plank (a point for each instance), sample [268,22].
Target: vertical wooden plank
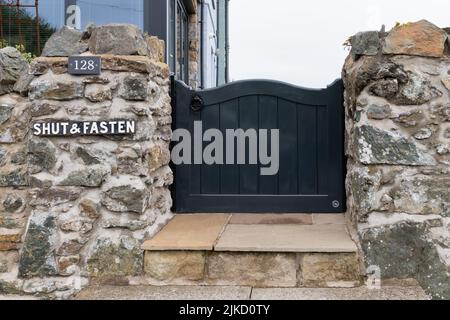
[307,149]
[210,173]
[195,170]
[323,154]
[268,119]
[288,172]
[248,119]
[336,133]
[229,174]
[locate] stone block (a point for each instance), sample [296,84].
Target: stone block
[376,146]
[118,39]
[422,194]
[252,269]
[71,247]
[377,112]
[134,88]
[5,112]
[78,225]
[90,156]
[12,65]
[8,246]
[90,177]
[363,185]
[125,194]
[53,196]
[329,269]
[13,202]
[175,265]
[10,235]
[37,258]
[446,83]
[65,43]
[98,93]
[366,43]
[67,265]
[16,120]
[42,109]
[158,156]
[41,65]
[403,250]
[60,91]
[421,38]
[156,48]
[42,155]
[23,83]
[108,258]
[417,90]
[16,177]
[90,208]
[136,64]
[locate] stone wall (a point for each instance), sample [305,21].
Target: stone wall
[397,102]
[194,47]
[75,210]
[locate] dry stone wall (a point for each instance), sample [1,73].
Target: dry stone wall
[397,102]
[75,210]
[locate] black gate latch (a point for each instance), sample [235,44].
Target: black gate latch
[196,103]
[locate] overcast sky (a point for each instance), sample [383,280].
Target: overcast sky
[301,41]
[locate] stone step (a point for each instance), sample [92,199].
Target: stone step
[189,232]
[285,238]
[227,250]
[249,293]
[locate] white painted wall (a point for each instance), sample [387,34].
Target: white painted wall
[210,43]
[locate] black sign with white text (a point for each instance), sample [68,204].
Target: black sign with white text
[85,65]
[84,128]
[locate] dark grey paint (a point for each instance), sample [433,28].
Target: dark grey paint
[312,170]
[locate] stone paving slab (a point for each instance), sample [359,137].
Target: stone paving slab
[328,219]
[17,298]
[189,232]
[165,293]
[240,293]
[361,293]
[305,219]
[286,238]
[247,293]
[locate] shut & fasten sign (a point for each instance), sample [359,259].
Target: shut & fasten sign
[84,128]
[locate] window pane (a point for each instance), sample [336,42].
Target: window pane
[178,44]
[181,44]
[18,25]
[171,43]
[111,11]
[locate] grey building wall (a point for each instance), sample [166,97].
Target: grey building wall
[210,44]
[223,44]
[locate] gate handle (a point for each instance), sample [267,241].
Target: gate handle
[197,103]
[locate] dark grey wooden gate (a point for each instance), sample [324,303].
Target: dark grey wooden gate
[311,173]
